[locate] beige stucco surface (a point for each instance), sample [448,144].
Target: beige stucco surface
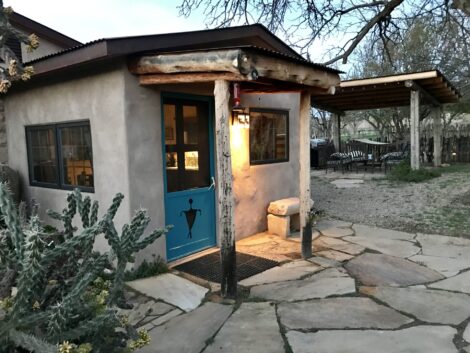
[257,185]
[126,136]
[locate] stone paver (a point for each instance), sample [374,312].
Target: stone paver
[432,306]
[337,232]
[374,232]
[142,313]
[327,243]
[459,283]
[290,271]
[347,183]
[384,270]
[171,289]
[188,333]
[393,247]
[324,262]
[466,334]
[340,313]
[447,266]
[324,284]
[324,224]
[252,328]
[420,339]
[334,255]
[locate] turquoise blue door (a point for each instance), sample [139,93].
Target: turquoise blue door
[189,178]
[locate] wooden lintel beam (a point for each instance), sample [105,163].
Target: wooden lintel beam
[197,77]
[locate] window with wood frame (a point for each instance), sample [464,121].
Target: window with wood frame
[269,136]
[61,156]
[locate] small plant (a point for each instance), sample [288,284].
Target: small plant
[67,293]
[403,172]
[147,269]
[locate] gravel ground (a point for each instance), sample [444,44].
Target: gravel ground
[440,206]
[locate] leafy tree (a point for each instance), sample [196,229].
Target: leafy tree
[303,22]
[11,68]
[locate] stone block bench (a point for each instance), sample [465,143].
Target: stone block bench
[283,216]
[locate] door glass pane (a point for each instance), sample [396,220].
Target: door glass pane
[77,155]
[191,160]
[190,125]
[43,155]
[171,160]
[169,112]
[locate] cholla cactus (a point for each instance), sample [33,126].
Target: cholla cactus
[60,304]
[12,69]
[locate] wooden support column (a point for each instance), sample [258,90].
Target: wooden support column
[437,135]
[336,127]
[414,129]
[304,180]
[224,188]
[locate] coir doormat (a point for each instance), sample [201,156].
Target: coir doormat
[208,266]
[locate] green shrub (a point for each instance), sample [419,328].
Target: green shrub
[67,293]
[147,269]
[403,172]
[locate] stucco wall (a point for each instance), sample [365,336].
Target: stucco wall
[143,125]
[98,98]
[255,186]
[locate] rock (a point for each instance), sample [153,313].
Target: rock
[374,232]
[400,248]
[447,266]
[326,243]
[188,333]
[285,207]
[334,255]
[252,328]
[444,246]
[324,284]
[459,283]
[337,232]
[340,313]
[384,270]
[171,289]
[427,305]
[290,271]
[419,339]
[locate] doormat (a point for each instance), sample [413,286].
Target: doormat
[208,266]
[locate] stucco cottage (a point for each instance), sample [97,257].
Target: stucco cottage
[201,128]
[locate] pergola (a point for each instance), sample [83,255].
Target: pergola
[431,87]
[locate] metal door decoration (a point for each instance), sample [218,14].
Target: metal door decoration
[191,215]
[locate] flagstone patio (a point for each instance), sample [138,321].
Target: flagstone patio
[365,290]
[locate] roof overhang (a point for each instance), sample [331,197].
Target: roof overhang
[260,70]
[388,91]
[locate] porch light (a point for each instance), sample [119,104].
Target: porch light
[240,115]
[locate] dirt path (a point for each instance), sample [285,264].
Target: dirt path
[441,205]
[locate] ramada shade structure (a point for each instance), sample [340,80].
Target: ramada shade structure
[432,87]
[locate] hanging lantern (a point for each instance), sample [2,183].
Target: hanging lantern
[240,115]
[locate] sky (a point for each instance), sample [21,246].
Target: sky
[87,20]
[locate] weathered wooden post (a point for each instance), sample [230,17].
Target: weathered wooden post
[336,130]
[437,135]
[304,180]
[414,128]
[224,188]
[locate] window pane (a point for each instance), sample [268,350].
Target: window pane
[169,112]
[190,125]
[191,160]
[268,137]
[43,155]
[77,155]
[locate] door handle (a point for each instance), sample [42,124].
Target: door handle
[212,185]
